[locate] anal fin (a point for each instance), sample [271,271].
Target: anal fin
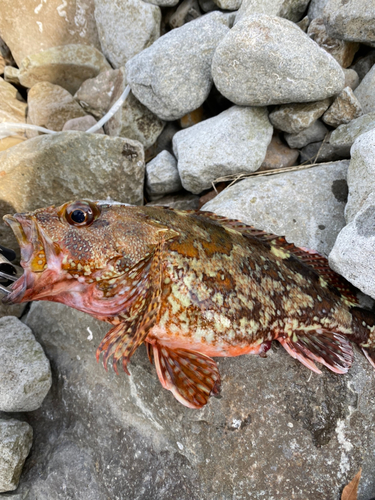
[329,348]
[191,376]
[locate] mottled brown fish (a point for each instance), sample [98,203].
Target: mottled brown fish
[191,285]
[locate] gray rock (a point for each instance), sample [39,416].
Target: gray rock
[182,201]
[133,120]
[283,8]
[13,310]
[350,20]
[304,23]
[365,92]
[187,11]
[233,142]
[305,206]
[82,124]
[324,151]
[309,433]
[12,106]
[316,132]
[52,169]
[162,175]
[294,118]
[344,109]
[207,5]
[173,76]
[163,3]
[126,28]
[25,373]
[229,4]
[278,64]
[316,8]
[363,65]
[351,78]
[345,135]
[15,442]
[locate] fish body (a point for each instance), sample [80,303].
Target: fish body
[192,286]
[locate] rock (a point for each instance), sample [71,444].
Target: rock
[341,50]
[304,23]
[283,8]
[351,78]
[15,442]
[9,142]
[332,417]
[294,118]
[365,92]
[324,151]
[345,135]
[133,120]
[53,169]
[233,142]
[187,11]
[244,67]
[183,201]
[68,66]
[162,176]
[12,106]
[11,75]
[207,5]
[13,310]
[344,109]
[28,29]
[126,28]
[278,155]
[51,106]
[350,20]
[229,4]
[363,65]
[25,373]
[315,133]
[192,118]
[173,76]
[316,8]
[163,3]
[82,124]
[163,142]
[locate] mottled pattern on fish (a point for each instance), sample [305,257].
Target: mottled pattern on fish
[191,285]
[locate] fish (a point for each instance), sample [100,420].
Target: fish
[192,286]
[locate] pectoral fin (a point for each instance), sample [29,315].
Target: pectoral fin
[329,348]
[192,377]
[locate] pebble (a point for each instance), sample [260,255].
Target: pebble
[25,373]
[278,64]
[365,92]
[233,142]
[126,28]
[324,151]
[278,155]
[316,8]
[82,124]
[229,4]
[345,135]
[344,109]
[16,439]
[162,176]
[283,8]
[363,65]
[351,78]
[294,118]
[187,11]
[315,133]
[173,76]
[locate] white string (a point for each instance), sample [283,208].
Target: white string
[117,105]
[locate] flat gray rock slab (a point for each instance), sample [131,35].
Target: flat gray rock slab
[276,64]
[15,442]
[345,135]
[306,206]
[25,373]
[233,142]
[173,76]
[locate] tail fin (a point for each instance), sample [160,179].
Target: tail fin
[364,332]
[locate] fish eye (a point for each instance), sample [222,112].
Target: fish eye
[81,213]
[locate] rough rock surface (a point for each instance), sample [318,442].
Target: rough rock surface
[283,8]
[12,310]
[351,78]
[82,124]
[53,169]
[12,105]
[126,28]
[363,65]
[163,3]
[173,76]
[162,175]
[51,106]
[182,201]
[67,66]
[25,373]
[278,64]
[277,427]
[278,155]
[344,109]
[235,141]
[95,94]
[228,4]
[345,135]
[293,118]
[15,442]
[365,92]
[316,8]
[29,27]
[306,206]
[316,132]
[324,151]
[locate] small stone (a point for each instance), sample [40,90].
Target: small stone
[278,155]
[187,11]
[173,76]
[16,439]
[68,66]
[316,8]
[365,92]
[163,3]
[282,8]
[162,176]
[351,78]
[293,118]
[278,64]
[82,124]
[229,4]
[341,50]
[363,65]
[126,28]
[344,109]
[12,106]
[133,120]
[304,23]
[207,5]
[351,20]
[192,118]
[25,373]
[315,133]
[270,203]
[183,201]
[12,310]
[323,151]
[345,135]
[11,75]
[51,106]
[233,142]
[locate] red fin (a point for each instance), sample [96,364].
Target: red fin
[370,355]
[329,348]
[191,376]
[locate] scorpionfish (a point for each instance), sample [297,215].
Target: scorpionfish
[191,285]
